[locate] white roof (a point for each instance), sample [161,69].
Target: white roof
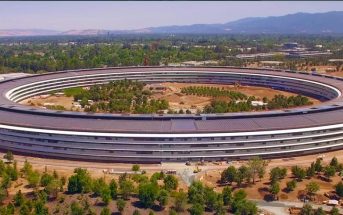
[333,202]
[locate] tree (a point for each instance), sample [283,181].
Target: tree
[312,188]
[277,173]
[12,172]
[80,182]
[298,172]
[136,212]
[306,210]
[9,156]
[76,209]
[339,189]
[33,179]
[334,162]
[172,212]
[180,201]
[18,199]
[121,205]
[170,182]
[311,170]
[318,165]
[246,207]
[126,188]
[3,195]
[98,185]
[53,187]
[334,211]
[329,171]
[319,211]
[42,196]
[196,193]
[239,195]
[147,194]
[196,209]
[106,195]
[135,167]
[290,185]
[163,198]
[113,189]
[228,175]
[274,189]
[105,211]
[6,181]
[211,198]
[10,208]
[227,195]
[242,206]
[157,176]
[24,210]
[219,206]
[40,209]
[242,174]
[46,179]
[256,167]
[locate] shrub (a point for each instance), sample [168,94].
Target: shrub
[312,188]
[339,189]
[121,205]
[298,172]
[180,201]
[147,194]
[291,185]
[170,182]
[135,167]
[163,198]
[196,209]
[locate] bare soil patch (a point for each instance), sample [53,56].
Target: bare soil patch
[260,190]
[172,94]
[177,100]
[46,100]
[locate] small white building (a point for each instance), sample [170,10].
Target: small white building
[48,104]
[59,94]
[77,106]
[44,96]
[258,103]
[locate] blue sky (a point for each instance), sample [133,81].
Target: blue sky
[66,15]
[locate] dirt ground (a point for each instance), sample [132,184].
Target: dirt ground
[210,175]
[320,69]
[40,101]
[179,101]
[210,169]
[259,190]
[173,95]
[339,74]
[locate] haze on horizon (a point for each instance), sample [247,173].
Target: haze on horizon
[128,15]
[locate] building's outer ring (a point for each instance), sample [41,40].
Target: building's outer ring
[156,138]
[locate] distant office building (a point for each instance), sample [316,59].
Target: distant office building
[290,45]
[308,53]
[195,63]
[260,55]
[335,60]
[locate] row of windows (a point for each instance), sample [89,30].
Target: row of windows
[54,138]
[123,153]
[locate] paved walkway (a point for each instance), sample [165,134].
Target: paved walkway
[281,207]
